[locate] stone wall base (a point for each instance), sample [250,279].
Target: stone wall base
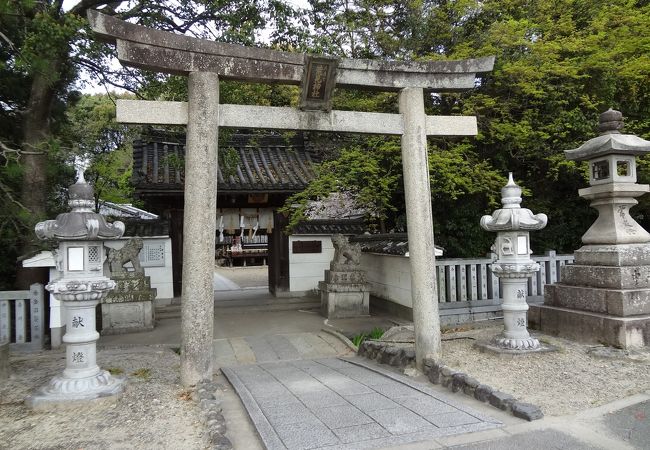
[451,315]
[4,360]
[591,327]
[56,337]
[128,317]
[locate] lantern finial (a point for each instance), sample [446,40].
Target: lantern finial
[611,122]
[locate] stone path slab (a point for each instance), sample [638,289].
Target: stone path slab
[531,440]
[331,403]
[259,349]
[631,425]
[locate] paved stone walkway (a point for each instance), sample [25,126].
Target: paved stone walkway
[258,349]
[345,404]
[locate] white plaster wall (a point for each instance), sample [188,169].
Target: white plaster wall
[162,278]
[46,259]
[307,269]
[389,277]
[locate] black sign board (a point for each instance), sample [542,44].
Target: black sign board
[307,247]
[318,81]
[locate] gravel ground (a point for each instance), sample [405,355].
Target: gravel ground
[563,382]
[154,412]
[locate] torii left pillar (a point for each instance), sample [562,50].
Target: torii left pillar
[419,219]
[199,229]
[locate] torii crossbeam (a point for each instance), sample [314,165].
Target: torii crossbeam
[204,62]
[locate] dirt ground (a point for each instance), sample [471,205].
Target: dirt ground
[574,378]
[155,412]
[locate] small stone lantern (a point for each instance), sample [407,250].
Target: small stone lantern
[514,265]
[612,180]
[80,258]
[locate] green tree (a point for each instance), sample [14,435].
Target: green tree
[47,47]
[370,172]
[103,146]
[558,65]
[463,185]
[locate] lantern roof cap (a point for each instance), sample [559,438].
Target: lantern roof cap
[611,140]
[512,216]
[82,222]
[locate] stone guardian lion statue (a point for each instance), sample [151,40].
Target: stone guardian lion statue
[117,258]
[344,252]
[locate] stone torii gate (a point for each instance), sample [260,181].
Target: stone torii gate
[204,62]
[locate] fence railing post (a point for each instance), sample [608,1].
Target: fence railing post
[5,321]
[37,304]
[20,321]
[463,280]
[24,323]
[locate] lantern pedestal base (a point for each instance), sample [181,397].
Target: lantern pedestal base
[62,392]
[604,298]
[493,347]
[529,343]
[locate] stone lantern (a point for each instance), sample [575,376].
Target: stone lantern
[612,180]
[604,297]
[514,265]
[80,259]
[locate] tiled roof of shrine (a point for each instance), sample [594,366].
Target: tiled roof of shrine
[266,164]
[388,243]
[330,226]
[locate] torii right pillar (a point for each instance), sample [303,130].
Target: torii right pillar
[605,296]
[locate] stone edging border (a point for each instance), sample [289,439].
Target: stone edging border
[211,416]
[342,337]
[438,373]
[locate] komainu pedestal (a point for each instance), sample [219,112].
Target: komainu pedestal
[345,292]
[129,307]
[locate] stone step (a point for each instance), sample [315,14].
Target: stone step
[242,305]
[168,312]
[231,309]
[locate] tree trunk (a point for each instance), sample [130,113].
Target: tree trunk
[34,193]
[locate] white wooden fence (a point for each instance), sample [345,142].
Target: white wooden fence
[472,280]
[22,318]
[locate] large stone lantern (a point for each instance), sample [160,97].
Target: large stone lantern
[514,265]
[80,259]
[604,297]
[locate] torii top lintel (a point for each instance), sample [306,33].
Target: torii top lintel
[163,51]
